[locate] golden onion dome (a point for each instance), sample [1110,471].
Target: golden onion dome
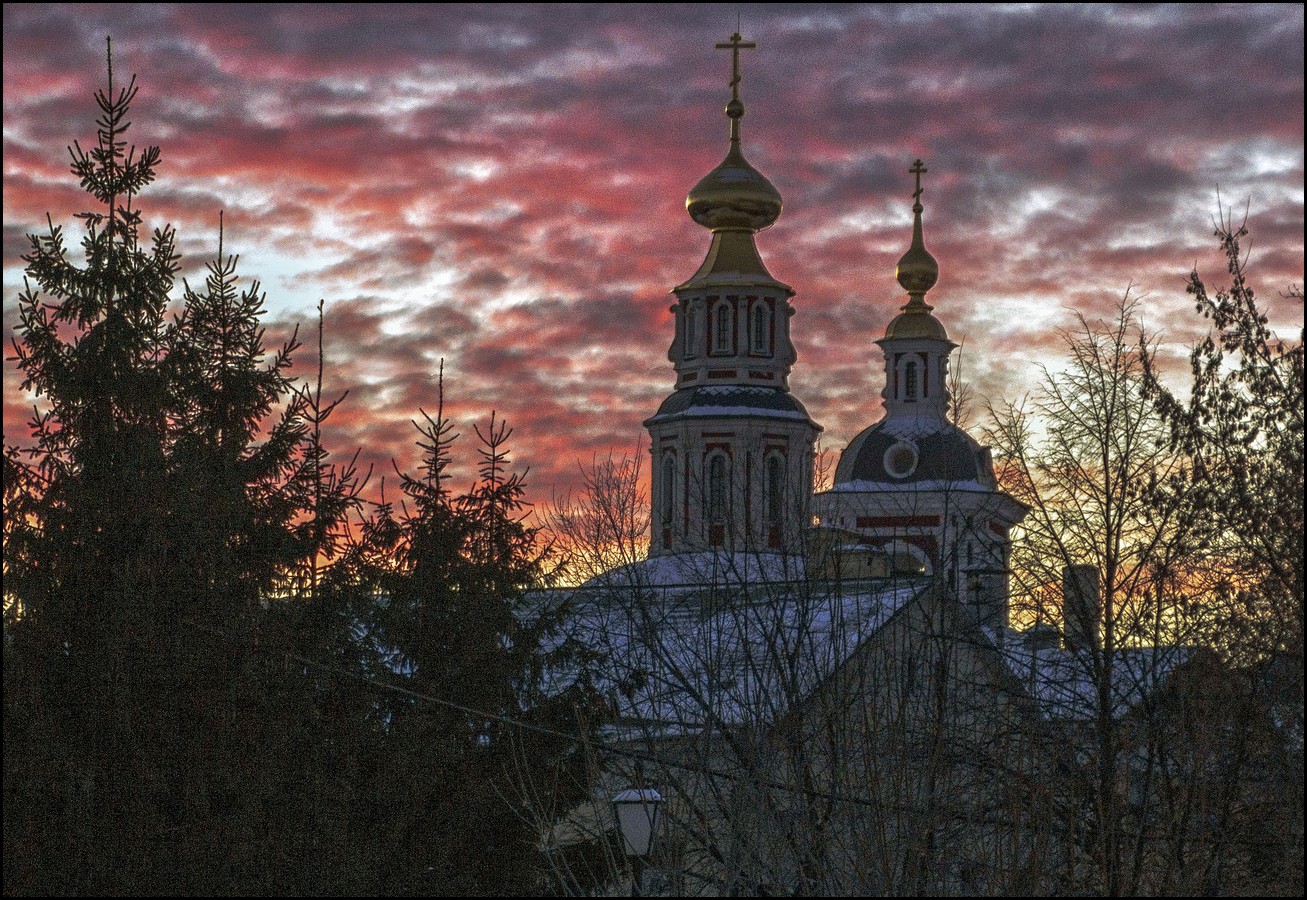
[917,270]
[917,273]
[734,195]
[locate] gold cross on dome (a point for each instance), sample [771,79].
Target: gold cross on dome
[735,45]
[917,169]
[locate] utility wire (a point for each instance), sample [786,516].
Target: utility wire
[638,755]
[630,753]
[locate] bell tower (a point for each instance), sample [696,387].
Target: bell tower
[732,447]
[915,495]
[916,347]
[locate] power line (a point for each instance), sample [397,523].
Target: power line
[630,753]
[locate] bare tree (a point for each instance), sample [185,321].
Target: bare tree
[1240,434]
[811,734]
[1082,453]
[606,527]
[1155,764]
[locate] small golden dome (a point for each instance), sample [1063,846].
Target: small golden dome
[734,195]
[917,270]
[916,323]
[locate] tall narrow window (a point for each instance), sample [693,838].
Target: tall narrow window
[775,490]
[717,489]
[669,490]
[692,329]
[910,381]
[760,334]
[722,328]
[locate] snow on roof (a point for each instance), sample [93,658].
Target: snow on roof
[687,657]
[1064,684]
[915,487]
[708,412]
[708,567]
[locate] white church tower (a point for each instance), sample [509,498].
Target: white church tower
[914,494]
[732,447]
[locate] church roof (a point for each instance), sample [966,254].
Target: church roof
[707,567]
[734,651]
[1062,682]
[732,262]
[728,401]
[880,456]
[738,649]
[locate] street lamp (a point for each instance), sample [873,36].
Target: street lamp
[636,812]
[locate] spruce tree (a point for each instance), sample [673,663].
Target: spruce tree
[148,747]
[461,612]
[193,635]
[93,642]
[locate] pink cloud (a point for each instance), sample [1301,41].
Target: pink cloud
[503,187]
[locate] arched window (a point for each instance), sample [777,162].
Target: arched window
[910,381]
[693,317]
[775,490]
[669,489]
[760,342]
[906,559]
[718,487]
[722,328]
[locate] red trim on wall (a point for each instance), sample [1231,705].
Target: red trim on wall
[897,521]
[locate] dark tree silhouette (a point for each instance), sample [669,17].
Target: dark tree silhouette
[1242,432]
[454,576]
[145,734]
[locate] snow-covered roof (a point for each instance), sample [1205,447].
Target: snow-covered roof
[917,487]
[703,640]
[724,401]
[1065,686]
[689,657]
[707,567]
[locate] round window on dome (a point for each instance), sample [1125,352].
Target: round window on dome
[901,459]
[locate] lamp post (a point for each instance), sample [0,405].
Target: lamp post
[636,812]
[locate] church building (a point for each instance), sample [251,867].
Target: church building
[732,445]
[825,690]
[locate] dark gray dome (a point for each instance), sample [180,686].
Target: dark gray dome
[723,401]
[950,454]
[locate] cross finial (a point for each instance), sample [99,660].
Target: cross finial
[917,169]
[735,45]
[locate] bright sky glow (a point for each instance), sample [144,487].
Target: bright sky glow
[503,186]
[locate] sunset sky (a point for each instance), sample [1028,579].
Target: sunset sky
[503,186]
